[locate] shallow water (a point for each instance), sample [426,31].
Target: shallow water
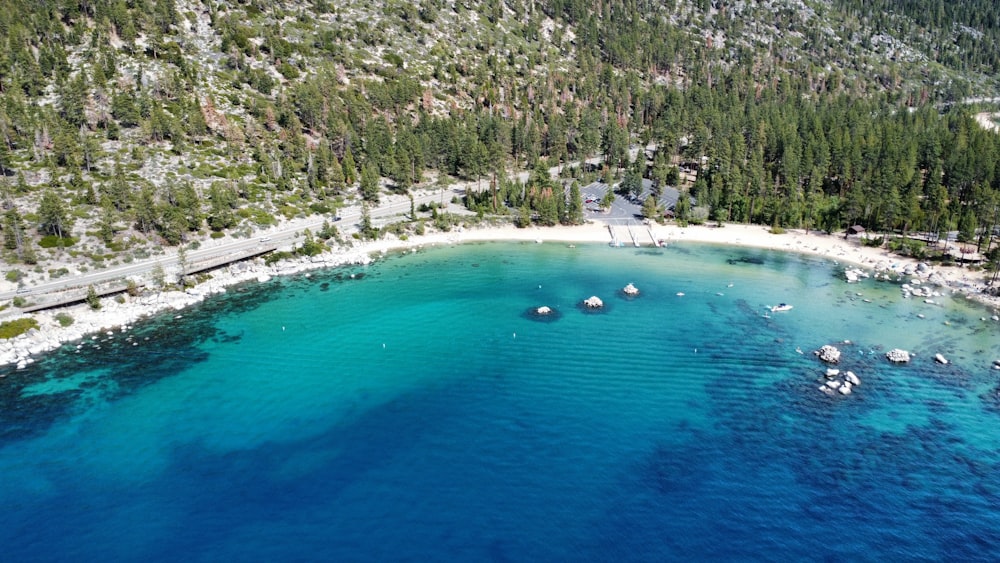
[417,410]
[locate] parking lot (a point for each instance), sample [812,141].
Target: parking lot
[622,210]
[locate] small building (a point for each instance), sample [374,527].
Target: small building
[857,230]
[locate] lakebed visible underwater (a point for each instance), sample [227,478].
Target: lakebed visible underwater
[416,409]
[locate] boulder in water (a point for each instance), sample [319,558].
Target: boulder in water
[940,359]
[593,302]
[852,379]
[543,310]
[828,354]
[898,356]
[630,290]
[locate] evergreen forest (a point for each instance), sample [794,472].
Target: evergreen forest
[126,125]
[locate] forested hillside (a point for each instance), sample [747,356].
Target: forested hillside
[126,124]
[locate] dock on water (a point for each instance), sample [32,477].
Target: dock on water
[634,234]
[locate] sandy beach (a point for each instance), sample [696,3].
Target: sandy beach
[116,317]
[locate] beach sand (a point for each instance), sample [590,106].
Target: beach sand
[115,316]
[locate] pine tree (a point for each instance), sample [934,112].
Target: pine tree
[574,209]
[53,217]
[370,183]
[350,168]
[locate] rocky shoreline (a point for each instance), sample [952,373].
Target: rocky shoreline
[115,316]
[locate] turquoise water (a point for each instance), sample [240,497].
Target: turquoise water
[415,409]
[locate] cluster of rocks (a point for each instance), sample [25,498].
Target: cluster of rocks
[836,382]
[915,288]
[897,356]
[630,290]
[593,302]
[895,271]
[854,275]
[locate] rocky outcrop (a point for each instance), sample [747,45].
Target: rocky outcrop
[897,356]
[593,302]
[854,275]
[839,382]
[940,359]
[828,354]
[630,290]
[543,310]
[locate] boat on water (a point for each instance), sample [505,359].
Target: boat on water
[781,307]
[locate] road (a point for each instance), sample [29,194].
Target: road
[274,237]
[282,236]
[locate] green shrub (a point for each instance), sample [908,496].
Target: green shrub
[10,329]
[14,275]
[19,301]
[320,208]
[776,230]
[53,241]
[93,300]
[217,234]
[58,273]
[277,256]
[288,71]
[64,319]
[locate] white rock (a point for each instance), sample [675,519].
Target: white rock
[845,389]
[593,302]
[940,359]
[832,372]
[543,310]
[828,354]
[630,290]
[852,379]
[898,356]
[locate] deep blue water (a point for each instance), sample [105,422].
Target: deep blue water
[415,410]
